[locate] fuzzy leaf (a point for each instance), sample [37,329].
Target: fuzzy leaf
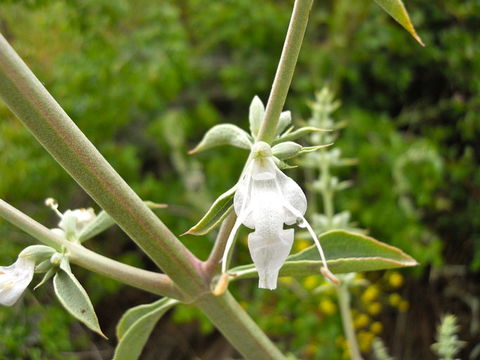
[345,252]
[103,221]
[215,215]
[74,298]
[135,328]
[255,115]
[293,135]
[396,9]
[284,120]
[224,134]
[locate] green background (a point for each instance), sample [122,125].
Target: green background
[145,79]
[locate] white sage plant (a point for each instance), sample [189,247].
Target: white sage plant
[264,199]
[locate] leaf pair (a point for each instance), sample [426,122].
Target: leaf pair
[135,328]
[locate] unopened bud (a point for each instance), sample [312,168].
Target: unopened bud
[222,285]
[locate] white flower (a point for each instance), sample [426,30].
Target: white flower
[14,279]
[266,200]
[71,221]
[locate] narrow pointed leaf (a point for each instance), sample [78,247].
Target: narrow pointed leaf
[48,275]
[215,215]
[255,115]
[224,134]
[103,221]
[345,252]
[75,299]
[284,120]
[294,135]
[135,328]
[396,9]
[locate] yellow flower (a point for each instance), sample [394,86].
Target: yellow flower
[395,279]
[360,321]
[310,282]
[394,299]
[370,293]
[327,306]
[376,327]
[374,308]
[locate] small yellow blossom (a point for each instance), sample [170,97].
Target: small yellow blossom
[310,282]
[301,245]
[370,293]
[395,279]
[376,327]
[327,306]
[374,308]
[394,299]
[361,321]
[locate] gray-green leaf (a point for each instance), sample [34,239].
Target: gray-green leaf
[101,223]
[293,135]
[224,134]
[215,215]
[135,327]
[255,115]
[284,120]
[345,252]
[75,299]
[396,9]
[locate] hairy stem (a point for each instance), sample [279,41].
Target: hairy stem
[146,280]
[344,300]
[285,69]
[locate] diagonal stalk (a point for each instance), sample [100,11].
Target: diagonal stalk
[285,69]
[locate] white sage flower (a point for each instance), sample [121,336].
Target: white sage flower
[14,279]
[266,200]
[71,221]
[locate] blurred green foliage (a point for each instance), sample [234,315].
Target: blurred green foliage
[145,79]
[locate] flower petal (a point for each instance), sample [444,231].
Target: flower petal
[293,194]
[269,251]
[14,279]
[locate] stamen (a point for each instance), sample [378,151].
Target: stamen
[53,204]
[244,212]
[324,270]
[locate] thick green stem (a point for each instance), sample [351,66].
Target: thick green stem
[42,115]
[146,280]
[344,300]
[285,69]
[216,254]
[231,319]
